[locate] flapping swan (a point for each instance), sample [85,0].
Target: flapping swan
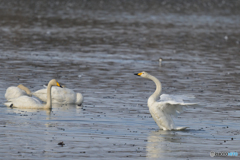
[15,92]
[163,111]
[33,103]
[60,95]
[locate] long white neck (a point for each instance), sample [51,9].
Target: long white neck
[22,87]
[155,96]
[49,97]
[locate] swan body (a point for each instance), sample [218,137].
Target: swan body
[60,95]
[15,92]
[26,102]
[167,107]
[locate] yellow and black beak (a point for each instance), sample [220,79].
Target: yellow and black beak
[59,85]
[138,74]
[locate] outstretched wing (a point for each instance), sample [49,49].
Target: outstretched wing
[163,111]
[176,98]
[174,104]
[173,108]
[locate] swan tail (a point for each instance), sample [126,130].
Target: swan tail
[9,104]
[79,99]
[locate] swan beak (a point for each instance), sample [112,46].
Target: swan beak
[138,74]
[59,85]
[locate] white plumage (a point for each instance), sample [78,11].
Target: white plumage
[26,102]
[15,92]
[167,107]
[60,95]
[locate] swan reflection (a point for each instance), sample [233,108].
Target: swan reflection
[158,143]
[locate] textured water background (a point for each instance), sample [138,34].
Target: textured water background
[94,48]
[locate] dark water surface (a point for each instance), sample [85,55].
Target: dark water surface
[94,48]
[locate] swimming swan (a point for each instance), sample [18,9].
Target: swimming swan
[163,111]
[60,95]
[33,103]
[160,61]
[15,92]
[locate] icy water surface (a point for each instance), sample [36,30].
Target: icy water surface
[94,48]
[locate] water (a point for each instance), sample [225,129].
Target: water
[94,48]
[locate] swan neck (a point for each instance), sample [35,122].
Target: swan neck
[22,87]
[155,96]
[49,97]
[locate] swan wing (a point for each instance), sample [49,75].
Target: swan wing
[162,118]
[163,112]
[14,92]
[63,95]
[174,104]
[55,92]
[173,108]
[176,98]
[24,102]
[41,94]
[59,95]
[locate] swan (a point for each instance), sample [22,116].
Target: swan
[15,92]
[163,111]
[160,61]
[26,102]
[60,95]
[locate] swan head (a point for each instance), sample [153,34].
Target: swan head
[79,99]
[54,82]
[142,74]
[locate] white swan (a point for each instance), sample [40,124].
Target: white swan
[60,95]
[33,103]
[15,92]
[160,61]
[163,111]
